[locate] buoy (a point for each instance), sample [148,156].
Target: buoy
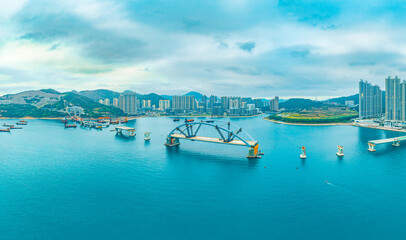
[303,154]
[340,151]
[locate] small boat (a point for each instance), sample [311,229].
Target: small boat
[147,136]
[210,121]
[189,120]
[340,151]
[124,121]
[21,123]
[70,126]
[303,154]
[5,130]
[176,120]
[16,127]
[8,125]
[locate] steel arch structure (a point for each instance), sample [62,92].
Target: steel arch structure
[191,130]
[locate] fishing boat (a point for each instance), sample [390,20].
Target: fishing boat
[70,125]
[16,127]
[303,154]
[147,136]
[124,121]
[5,130]
[176,120]
[22,123]
[210,121]
[8,125]
[189,120]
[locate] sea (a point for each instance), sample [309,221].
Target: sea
[65,183]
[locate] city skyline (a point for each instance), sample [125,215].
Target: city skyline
[257,48]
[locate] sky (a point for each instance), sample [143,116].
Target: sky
[256,48]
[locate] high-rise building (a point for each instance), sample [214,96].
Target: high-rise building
[403,100]
[225,103]
[183,102]
[392,97]
[115,102]
[274,104]
[128,103]
[164,104]
[146,103]
[107,102]
[258,103]
[370,100]
[212,101]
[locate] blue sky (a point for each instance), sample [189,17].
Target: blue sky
[228,47]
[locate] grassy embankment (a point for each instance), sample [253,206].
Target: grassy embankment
[316,116]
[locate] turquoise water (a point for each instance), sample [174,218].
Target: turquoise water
[58,183]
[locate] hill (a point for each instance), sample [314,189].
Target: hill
[99,94]
[153,97]
[198,96]
[341,100]
[300,103]
[27,110]
[91,108]
[38,98]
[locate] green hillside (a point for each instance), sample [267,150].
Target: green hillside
[27,110]
[91,108]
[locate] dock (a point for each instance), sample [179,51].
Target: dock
[120,129]
[395,142]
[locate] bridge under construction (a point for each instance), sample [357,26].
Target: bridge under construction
[395,142]
[219,132]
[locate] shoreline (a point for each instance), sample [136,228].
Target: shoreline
[309,124]
[382,128]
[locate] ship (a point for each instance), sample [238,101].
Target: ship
[5,130]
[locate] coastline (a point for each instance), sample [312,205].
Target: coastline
[381,128]
[309,124]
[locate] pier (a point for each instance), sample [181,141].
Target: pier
[395,142]
[221,135]
[120,129]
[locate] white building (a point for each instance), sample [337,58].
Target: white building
[164,104]
[115,102]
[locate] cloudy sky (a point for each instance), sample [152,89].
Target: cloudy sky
[225,47]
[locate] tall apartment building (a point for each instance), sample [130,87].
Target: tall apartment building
[258,103]
[128,103]
[403,100]
[115,102]
[274,104]
[393,108]
[146,103]
[183,103]
[212,101]
[370,100]
[225,103]
[235,102]
[164,104]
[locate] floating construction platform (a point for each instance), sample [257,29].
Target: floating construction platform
[120,129]
[395,142]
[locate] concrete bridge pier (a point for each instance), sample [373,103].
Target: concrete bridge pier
[253,152]
[171,142]
[396,144]
[371,147]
